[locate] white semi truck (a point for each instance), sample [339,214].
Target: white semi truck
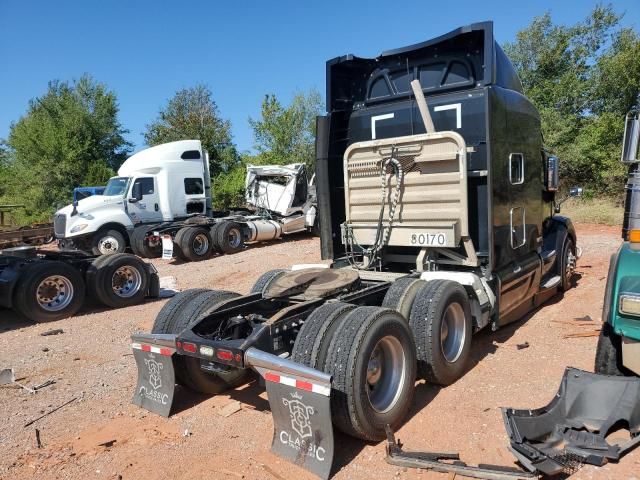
[164,192]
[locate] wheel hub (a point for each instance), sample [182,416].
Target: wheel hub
[108,245]
[200,244]
[386,370]
[234,238]
[126,281]
[54,293]
[452,332]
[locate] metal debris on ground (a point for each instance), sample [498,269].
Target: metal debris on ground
[586,318]
[168,287]
[439,462]
[55,331]
[107,444]
[229,409]
[50,412]
[38,442]
[521,346]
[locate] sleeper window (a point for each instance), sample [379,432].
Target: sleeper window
[516,168]
[193,186]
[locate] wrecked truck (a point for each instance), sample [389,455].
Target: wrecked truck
[438,214]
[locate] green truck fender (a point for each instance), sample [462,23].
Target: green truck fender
[623,278]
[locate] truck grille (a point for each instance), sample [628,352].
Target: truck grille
[60,225]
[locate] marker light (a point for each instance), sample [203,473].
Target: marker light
[630,304]
[634,236]
[189,347]
[225,355]
[206,351]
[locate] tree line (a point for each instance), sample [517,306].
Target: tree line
[582,78]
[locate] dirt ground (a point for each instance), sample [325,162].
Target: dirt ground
[101,435]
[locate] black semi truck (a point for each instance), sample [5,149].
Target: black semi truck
[438,213]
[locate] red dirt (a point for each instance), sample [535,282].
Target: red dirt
[92,361]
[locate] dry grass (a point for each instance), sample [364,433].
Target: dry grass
[598,210]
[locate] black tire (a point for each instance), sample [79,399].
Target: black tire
[229,237]
[53,280]
[108,242]
[313,340]
[154,285]
[362,331]
[609,353]
[119,280]
[165,321]
[566,272]
[213,231]
[401,295]
[194,244]
[140,245]
[195,378]
[265,279]
[426,320]
[166,317]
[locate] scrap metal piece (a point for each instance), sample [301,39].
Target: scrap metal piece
[8,377]
[572,429]
[436,461]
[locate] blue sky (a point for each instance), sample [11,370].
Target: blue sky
[146,50]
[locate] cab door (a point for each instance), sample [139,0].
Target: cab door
[147,209]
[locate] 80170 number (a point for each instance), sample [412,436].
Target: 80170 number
[430,239]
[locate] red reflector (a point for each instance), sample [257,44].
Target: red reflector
[179,344]
[146,348]
[304,385]
[225,355]
[271,377]
[165,351]
[189,347]
[238,358]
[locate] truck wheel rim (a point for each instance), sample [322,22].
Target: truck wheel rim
[54,293]
[108,245]
[452,332]
[570,264]
[200,244]
[126,281]
[386,371]
[234,238]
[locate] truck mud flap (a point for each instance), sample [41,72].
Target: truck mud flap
[156,374]
[574,428]
[299,397]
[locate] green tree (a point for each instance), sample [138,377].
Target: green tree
[192,114]
[66,136]
[582,78]
[287,134]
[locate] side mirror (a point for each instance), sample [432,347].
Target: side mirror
[552,175]
[575,192]
[631,138]
[136,193]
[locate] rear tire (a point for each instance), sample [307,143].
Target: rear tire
[401,295]
[609,353]
[119,280]
[229,237]
[313,340]
[140,244]
[265,279]
[372,361]
[194,244]
[49,291]
[108,242]
[441,323]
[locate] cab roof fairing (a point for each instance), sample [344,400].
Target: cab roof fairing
[496,68]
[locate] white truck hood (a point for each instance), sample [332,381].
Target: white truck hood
[272,187]
[92,203]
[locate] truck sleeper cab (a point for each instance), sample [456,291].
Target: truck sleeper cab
[432,234]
